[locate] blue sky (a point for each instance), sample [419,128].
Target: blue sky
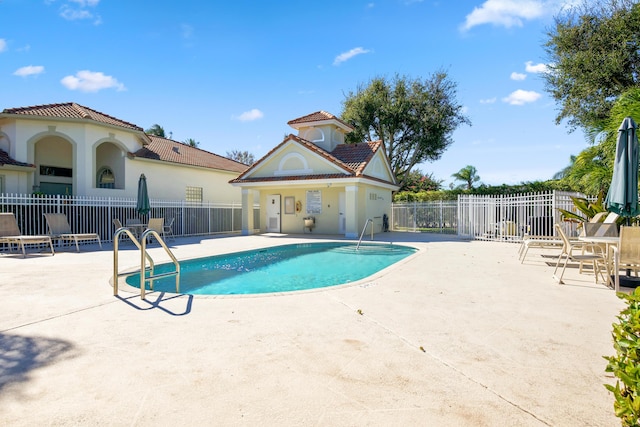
[231,74]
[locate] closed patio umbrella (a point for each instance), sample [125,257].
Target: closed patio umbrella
[622,197]
[142,206]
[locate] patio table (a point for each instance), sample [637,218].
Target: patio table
[137,228]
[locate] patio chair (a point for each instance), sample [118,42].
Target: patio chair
[157,225]
[596,258]
[611,218]
[601,229]
[168,229]
[10,234]
[627,254]
[60,230]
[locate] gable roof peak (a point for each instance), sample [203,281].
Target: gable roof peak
[319,118]
[70,110]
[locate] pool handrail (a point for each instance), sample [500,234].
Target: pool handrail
[369,220]
[143,258]
[116,244]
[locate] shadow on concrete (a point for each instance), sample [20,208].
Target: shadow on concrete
[20,355]
[154,301]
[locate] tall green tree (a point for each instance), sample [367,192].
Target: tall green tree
[594,56]
[592,169]
[192,142]
[468,175]
[156,130]
[414,118]
[243,157]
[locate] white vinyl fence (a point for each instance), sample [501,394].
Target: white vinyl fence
[96,214]
[496,218]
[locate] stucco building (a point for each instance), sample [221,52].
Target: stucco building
[313,182]
[74,150]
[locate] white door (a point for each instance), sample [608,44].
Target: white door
[273,213]
[342,218]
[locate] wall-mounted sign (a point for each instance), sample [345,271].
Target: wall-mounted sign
[314,201]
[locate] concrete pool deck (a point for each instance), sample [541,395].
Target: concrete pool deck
[460,333]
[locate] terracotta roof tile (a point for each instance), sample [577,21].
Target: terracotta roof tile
[318,116]
[71,110]
[357,156]
[167,150]
[352,158]
[5,159]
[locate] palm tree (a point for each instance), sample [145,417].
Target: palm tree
[468,175]
[156,130]
[192,142]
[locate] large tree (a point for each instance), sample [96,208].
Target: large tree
[594,56]
[414,118]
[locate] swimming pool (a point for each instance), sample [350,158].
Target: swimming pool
[278,269]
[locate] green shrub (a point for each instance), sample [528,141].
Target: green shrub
[624,365]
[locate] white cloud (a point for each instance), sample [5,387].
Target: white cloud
[521,97]
[518,76]
[506,13]
[345,56]
[530,67]
[3,45]
[91,81]
[77,11]
[75,14]
[488,101]
[29,70]
[249,116]
[85,3]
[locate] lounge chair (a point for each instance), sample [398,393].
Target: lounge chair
[541,242]
[568,248]
[627,254]
[60,229]
[10,234]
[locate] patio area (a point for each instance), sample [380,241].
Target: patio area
[460,333]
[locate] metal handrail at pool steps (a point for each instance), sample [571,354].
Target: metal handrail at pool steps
[144,257]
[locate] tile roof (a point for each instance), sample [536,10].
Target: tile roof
[318,116]
[168,150]
[71,110]
[5,159]
[352,158]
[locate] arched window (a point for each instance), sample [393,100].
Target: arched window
[106,178]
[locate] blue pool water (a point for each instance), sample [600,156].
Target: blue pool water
[278,269]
